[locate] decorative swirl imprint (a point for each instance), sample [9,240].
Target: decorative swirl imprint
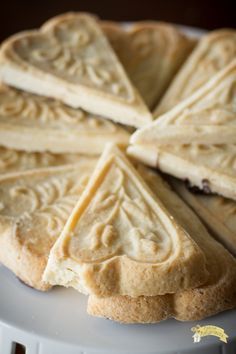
[152,52]
[18,104]
[52,201]
[216,56]
[72,33]
[142,65]
[8,158]
[75,51]
[146,41]
[90,69]
[12,160]
[218,107]
[126,225]
[102,235]
[34,159]
[71,36]
[26,193]
[144,44]
[207,116]
[55,216]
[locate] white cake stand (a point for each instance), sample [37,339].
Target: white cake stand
[57,323]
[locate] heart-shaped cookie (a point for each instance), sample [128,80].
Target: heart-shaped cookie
[70,59]
[151,53]
[120,239]
[215,295]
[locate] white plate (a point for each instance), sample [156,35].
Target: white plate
[57,323]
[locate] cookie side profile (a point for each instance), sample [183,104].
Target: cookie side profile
[55,127]
[213,173]
[12,161]
[216,212]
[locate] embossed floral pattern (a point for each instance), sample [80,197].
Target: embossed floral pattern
[217,107]
[15,161]
[213,53]
[119,220]
[48,202]
[21,107]
[75,49]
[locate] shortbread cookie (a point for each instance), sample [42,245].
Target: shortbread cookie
[216,212]
[216,295]
[40,198]
[214,52]
[207,117]
[16,161]
[35,123]
[151,53]
[45,198]
[70,59]
[34,207]
[120,239]
[209,165]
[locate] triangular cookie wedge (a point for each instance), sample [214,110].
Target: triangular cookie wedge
[208,116]
[209,167]
[12,161]
[120,239]
[216,295]
[35,123]
[70,59]
[217,213]
[214,52]
[151,53]
[39,201]
[57,190]
[34,207]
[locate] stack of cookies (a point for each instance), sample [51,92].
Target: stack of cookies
[84,106]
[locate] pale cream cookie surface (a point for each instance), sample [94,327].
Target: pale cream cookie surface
[70,59]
